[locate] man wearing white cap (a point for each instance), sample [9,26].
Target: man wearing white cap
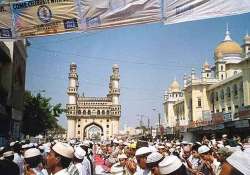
[120,167]
[18,158]
[78,158]
[59,158]
[141,157]
[33,159]
[7,166]
[153,160]
[210,161]
[172,165]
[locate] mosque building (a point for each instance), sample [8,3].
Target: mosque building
[93,117]
[217,100]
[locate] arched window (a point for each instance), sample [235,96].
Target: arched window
[84,112]
[221,68]
[222,94]
[228,92]
[107,112]
[79,112]
[235,90]
[216,96]
[89,112]
[98,112]
[199,103]
[103,112]
[222,77]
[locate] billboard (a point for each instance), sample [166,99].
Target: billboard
[176,11]
[113,13]
[44,17]
[5,21]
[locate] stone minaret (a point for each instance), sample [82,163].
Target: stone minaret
[246,45]
[72,103]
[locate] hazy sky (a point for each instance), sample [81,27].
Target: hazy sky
[150,57]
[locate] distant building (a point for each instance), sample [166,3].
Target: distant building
[93,117]
[12,86]
[217,97]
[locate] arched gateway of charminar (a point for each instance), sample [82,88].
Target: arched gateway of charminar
[93,117]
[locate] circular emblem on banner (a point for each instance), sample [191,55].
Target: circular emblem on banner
[44,13]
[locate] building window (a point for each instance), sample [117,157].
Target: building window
[221,68]
[217,110]
[235,72]
[84,112]
[222,94]
[229,108]
[222,77]
[103,112]
[199,103]
[107,126]
[223,109]
[79,112]
[216,96]
[236,107]
[107,112]
[228,92]
[98,112]
[235,90]
[79,132]
[107,120]
[79,120]
[89,112]
[79,126]
[207,75]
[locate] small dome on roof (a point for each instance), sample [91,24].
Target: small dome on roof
[175,87]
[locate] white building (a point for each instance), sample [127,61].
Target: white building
[93,117]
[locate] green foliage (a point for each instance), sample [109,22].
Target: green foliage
[39,114]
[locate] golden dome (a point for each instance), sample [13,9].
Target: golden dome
[227,47]
[175,86]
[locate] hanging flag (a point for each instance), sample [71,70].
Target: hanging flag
[44,17]
[113,13]
[175,11]
[5,21]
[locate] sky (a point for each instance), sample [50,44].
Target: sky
[150,57]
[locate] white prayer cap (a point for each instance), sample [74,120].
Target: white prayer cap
[161,147]
[168,144]
[122,156]
[154,157]
[169,164]
[116,141]
[32,152]
[25,146]
[1,148]
[224,135]
[35,144]
[171,150]
[85,143]
[79,152]
[142,151]
[12,143]
[118,170]
[152,148]
[63,149]
[41,147]
[241,161]
[184,143]
[8,154]
[203,149]
[120,142]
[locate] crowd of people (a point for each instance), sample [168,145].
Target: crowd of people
[119,156]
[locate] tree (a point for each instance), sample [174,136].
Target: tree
[39,114]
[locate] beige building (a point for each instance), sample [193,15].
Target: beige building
[219,93]
[93,117]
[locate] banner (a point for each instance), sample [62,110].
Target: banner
[112,13]
[43,17]
[5,21]
[176,11]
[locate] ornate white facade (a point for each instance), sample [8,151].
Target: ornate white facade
[93,117]
[221,89]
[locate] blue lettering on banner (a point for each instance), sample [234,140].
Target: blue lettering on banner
[70,23]
[189,5]
[5,32]
[90,22]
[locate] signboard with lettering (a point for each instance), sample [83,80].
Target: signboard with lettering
[113,13]
[244,113]
[44,17]
[217,118]
[5,21]
[241,124]
[227,116]
[176,11]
